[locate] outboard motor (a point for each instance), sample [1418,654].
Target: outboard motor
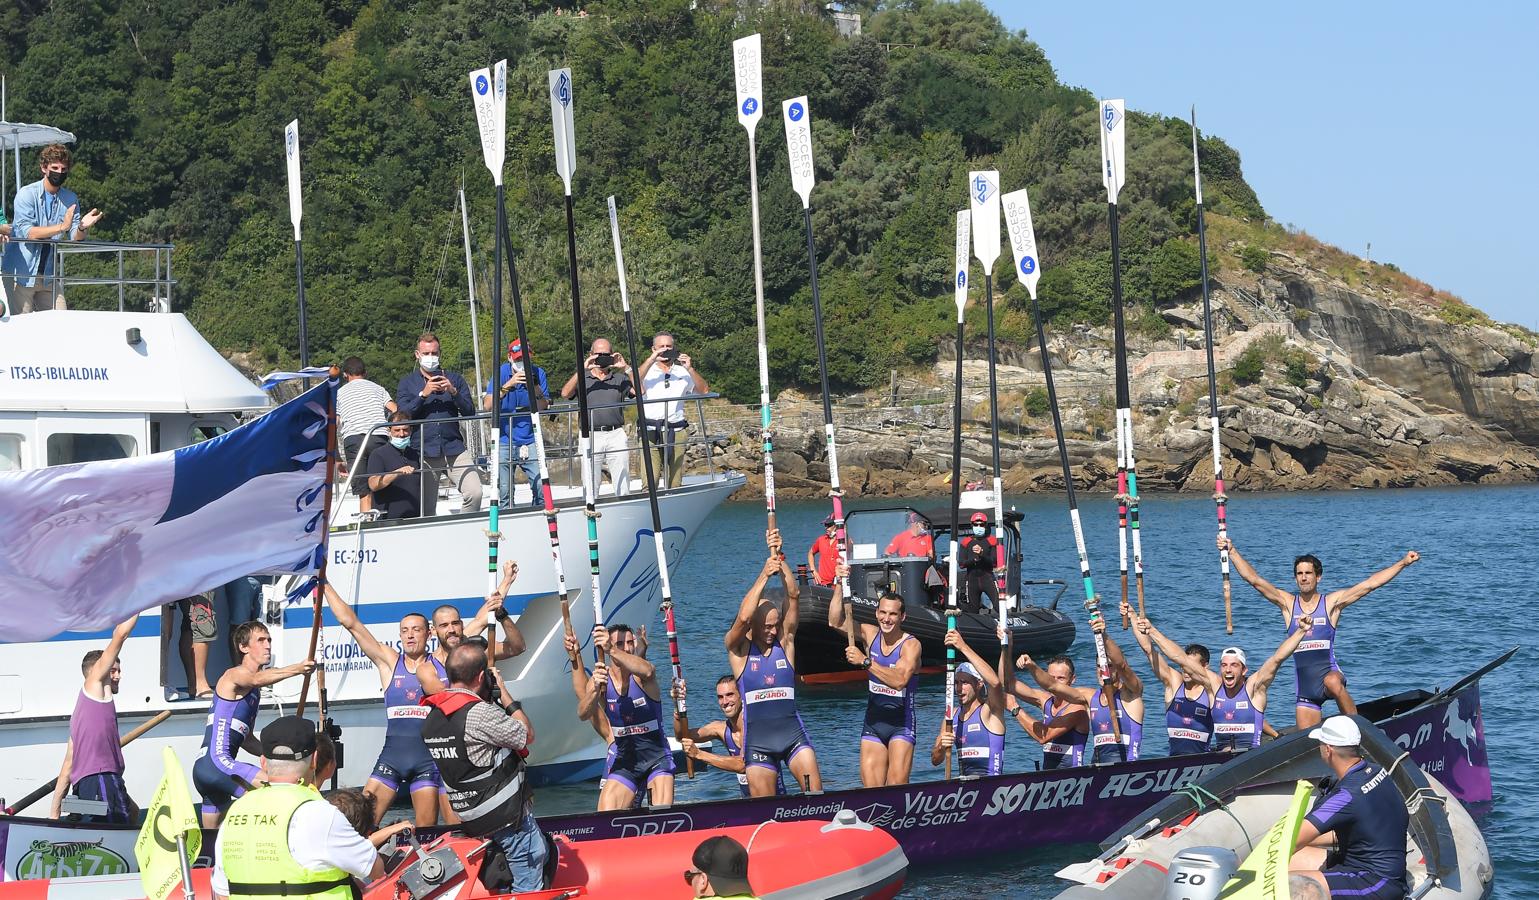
[1200,873]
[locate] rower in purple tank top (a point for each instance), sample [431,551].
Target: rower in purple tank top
[93,758]
[1127,699]
[976,735]
[891,661]
[217,774]
[1064,727]
[728,729]
[761,647]
[1188,697]
[1239,696]
[1319,674]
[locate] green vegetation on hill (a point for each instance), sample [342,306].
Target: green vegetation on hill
[179,106]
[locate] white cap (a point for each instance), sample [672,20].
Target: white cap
[1235,652]
[971,671]
[1338,731]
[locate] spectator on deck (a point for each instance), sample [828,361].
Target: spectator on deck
[200,628]
[395,474]
[45,211]
[514,423]
[362,406]
[431,392]
[665,376]
[607,376]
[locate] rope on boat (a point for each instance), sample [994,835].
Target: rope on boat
[1201,797]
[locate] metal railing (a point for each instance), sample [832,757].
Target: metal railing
[126,256]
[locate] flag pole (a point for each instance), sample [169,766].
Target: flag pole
[561,115]
[959,279]
[750,107]
[796,114]
[1112,127]
[680,709]
[1219,497]
[983,191]
[332,377]
[1023,244]
[296,212]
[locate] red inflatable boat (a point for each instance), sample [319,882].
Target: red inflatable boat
[851,860]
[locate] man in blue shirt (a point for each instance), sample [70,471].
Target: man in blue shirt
[517,445]
[1353,841]
[430,392]
[45,212]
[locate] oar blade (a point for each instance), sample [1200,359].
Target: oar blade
[291,157]
[489,94]
[1023,240]
[983,200]
[797,115]
[750,81]
[562,123]
[964,258]
[1113,119]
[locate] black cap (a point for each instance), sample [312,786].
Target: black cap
[722,857]
[288,737]
[828,521]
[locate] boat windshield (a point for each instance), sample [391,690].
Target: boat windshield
[872,531]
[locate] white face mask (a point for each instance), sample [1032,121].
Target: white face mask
[518,365]
[429,362]
[979,530]
[400,443]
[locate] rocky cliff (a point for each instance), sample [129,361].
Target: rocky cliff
[1323,384]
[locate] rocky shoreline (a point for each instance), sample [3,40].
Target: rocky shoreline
[1321,386]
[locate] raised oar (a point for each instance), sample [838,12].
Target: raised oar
[983,191]
[490,112]
[797,115]
[1113,132]
[959,279]
[470,291]
[750,108]
[1219,497]
[680,712]
[566,165]
[333,379]
[489,93]
[296,212]
[42,790]
[1023,244]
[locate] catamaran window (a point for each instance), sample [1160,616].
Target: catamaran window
[77,448]
[10,452]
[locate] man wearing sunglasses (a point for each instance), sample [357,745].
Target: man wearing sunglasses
[667,375]
[46,212]
[720,869]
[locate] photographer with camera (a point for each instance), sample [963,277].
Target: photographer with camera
[665,376]
[608,379]
[430,392]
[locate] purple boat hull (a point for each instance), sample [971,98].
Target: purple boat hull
[949,820]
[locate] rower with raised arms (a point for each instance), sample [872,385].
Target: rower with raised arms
[978,730]
[1317,671]
[1127,697]
[631,699]
[1064,728]
[93,756]
[1238,698]
[761,646]
[891,661]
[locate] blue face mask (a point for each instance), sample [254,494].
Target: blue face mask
[400,443]
[979,530]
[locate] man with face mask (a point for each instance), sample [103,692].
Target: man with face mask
[395,474]
[980,561]
[516,400]
[432,392]
[46,212]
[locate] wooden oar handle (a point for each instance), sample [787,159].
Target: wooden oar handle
[1228,608]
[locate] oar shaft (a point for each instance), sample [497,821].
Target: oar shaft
[956,501]
[494,509]
[585,426]
[320,579]
[764,382]
[1219,497]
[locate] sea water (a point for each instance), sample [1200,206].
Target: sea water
[1468,599]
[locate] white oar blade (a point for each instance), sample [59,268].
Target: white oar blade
[798,120]
[489,94]
[561,123]
[1113,119]
[291,156]
[983,198]
[964,258]
[750,81]
[614,231]
[1196,160]
[1023,241]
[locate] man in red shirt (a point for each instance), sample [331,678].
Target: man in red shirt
[823,557]
[915,540]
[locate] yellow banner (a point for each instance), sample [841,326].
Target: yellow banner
[1264,874]
[170,814]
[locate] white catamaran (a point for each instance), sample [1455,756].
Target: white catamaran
[79,386]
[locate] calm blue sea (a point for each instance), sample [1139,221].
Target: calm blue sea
[1466,601]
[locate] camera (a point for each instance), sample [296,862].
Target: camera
[669,356]
[604,360]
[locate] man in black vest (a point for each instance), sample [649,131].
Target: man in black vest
[479,748]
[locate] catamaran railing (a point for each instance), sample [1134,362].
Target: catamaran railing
[561,440]
[159,280]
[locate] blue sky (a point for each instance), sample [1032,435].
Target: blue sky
[1409,125]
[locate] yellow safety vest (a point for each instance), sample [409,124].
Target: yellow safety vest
[256,856]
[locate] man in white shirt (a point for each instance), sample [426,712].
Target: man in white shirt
[285,833]
[362,406]
[665,376]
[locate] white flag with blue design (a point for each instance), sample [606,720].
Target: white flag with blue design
[89,545]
